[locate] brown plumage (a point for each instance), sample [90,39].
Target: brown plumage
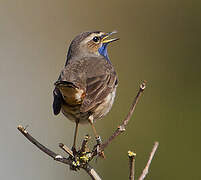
[87,84]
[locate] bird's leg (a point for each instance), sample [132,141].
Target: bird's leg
[98,138]
[75,137]
[93,127]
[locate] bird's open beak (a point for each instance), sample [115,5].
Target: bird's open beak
[105,37]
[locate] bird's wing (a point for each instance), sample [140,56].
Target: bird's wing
[100,82]
[98,88]
[95,78]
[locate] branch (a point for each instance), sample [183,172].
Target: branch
[84,143]
[131,156]
[122,127]
[69,161]
[92,173]
[146,169]
[66,149]
[82,157]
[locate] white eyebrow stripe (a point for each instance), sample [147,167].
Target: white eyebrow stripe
[90,37]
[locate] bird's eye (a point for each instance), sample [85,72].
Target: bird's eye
[96,39]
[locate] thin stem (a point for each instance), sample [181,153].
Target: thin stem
[84,143]
[122,127]
[90,171]
[66,149]
[93,174]
[131,156]
[146,169]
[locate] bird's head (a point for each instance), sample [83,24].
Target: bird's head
[90,44]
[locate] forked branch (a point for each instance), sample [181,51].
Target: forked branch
[82,161]
[69,161]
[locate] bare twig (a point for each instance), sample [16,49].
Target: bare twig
[90,171]
[122,127]
[84,143]
[93,174]
[146,169]
[52,154]
[66,149]
[131,156]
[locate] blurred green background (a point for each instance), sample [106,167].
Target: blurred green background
[160,42]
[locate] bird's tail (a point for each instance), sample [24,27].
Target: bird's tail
[64,84]
[72,95]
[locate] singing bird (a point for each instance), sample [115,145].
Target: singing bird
[86,87]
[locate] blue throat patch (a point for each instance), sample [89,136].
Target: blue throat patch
[103,51]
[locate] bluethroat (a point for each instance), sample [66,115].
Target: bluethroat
[86,87]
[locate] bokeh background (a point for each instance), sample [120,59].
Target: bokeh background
[160,42]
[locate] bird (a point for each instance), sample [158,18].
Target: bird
[86,87]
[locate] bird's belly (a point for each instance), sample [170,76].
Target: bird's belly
[104,107]
[73,113]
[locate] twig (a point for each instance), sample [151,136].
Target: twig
[122,127]
[146,169]
[66,149]
[131,156]
[84,143]
[93,174]
[90,171]
[52,154]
